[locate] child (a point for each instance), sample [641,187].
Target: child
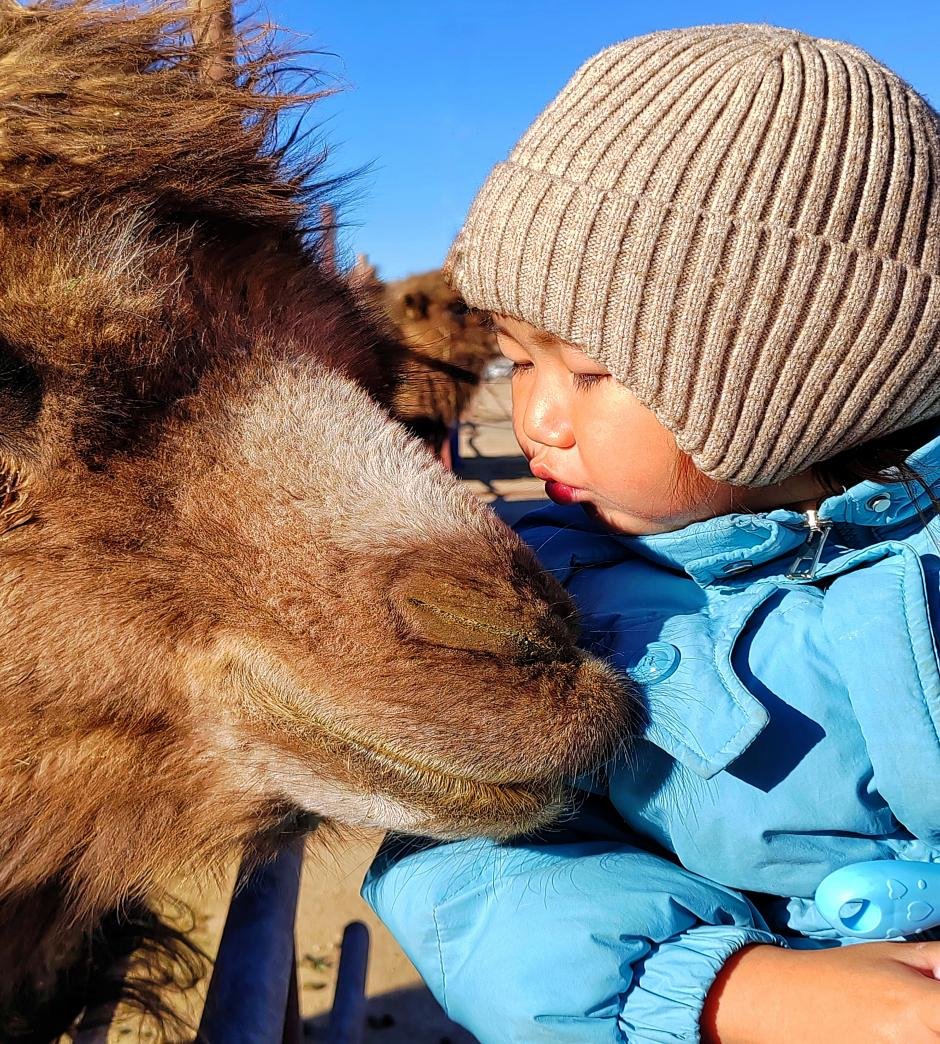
[715,263]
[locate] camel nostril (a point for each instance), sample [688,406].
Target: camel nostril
[455,627]
[541,650]
[476,630]
[517,621]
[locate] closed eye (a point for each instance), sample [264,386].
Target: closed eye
[518,367]
[583,381]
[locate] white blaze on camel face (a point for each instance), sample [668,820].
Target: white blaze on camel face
[354,474]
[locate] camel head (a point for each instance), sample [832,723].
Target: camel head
[444,348]
[232,588]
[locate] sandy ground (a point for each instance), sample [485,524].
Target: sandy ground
[401,1010]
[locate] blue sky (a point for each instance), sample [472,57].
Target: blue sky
[437,92]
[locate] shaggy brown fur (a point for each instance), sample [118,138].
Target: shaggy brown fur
[232,590]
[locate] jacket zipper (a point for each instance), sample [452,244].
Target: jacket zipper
[812,552]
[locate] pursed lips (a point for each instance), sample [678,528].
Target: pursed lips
[559,491]
[546,476]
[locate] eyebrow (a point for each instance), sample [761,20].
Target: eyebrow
[540,338]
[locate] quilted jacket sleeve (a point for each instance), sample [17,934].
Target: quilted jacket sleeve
[574,940]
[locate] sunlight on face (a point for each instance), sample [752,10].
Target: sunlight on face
[594,442]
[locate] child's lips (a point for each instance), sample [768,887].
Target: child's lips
[555,490]
[562,493]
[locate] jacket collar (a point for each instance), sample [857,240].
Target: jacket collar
[723,548]
[723,718]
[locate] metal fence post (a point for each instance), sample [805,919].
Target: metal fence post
[251,982]
[347,1019]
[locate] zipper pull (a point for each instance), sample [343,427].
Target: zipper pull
[815,542]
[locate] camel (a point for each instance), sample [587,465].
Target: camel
[446,346]
[236,597]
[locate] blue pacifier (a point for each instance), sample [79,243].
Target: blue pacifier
[881,899]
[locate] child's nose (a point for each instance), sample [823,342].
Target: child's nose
[547,419]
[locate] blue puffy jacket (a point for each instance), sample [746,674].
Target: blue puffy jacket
[792,729]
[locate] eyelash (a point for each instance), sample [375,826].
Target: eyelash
[582,381]
[588,380]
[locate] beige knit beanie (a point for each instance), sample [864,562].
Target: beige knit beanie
[743,224]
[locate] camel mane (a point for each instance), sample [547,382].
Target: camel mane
[73,114]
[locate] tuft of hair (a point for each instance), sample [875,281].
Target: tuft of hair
[74,113]
[133,958]
[155,217]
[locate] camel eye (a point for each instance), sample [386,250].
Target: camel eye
[417,305]
[458,308]
[20,393]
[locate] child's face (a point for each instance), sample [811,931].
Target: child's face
[594,442]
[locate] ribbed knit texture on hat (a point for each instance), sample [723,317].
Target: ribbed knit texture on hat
[743,224]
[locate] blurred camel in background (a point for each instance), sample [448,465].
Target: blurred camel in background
[447,347]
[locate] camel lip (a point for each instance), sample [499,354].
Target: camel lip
[371,765]
[397,761]
[426,778]
[288,697]
[451,806]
